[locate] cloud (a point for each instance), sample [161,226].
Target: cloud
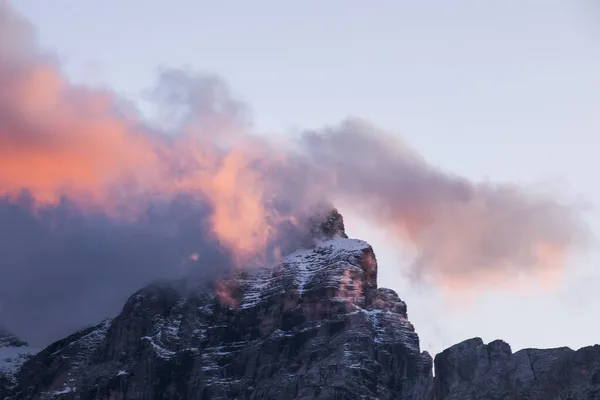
[63,268]
[464,233]
[96,201]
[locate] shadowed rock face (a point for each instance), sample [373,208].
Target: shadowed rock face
[315,326]
[472,370]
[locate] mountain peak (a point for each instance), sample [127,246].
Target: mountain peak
[328,224]
[313,326]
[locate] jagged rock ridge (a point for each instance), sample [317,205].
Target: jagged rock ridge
[472,370]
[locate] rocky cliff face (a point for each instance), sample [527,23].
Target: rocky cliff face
[472,370]
[316,326]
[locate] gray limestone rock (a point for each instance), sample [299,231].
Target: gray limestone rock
[313,327]
[472,370]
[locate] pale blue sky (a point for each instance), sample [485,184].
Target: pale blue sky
[501,90]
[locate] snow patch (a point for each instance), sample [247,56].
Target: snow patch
[343,244]
[160,351]
[255,284]
[13,358]
[66,390]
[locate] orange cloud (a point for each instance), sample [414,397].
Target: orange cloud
[58,139]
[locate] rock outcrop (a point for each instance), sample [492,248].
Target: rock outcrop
[315,326]
[472,370]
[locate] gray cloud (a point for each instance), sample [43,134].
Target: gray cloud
[62,269]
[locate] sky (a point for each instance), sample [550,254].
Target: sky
[505,91]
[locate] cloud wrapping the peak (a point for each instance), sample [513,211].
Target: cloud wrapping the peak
[464,233]
[96,202]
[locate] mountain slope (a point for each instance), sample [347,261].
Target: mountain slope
[314,326]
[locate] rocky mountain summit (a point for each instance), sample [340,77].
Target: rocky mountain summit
[314,326]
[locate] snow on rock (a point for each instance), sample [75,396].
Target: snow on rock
[12,358]
[160,351]
[76,351]
[13,354]
[65,390]
[324,265]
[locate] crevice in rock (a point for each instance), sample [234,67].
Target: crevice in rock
[531,365]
